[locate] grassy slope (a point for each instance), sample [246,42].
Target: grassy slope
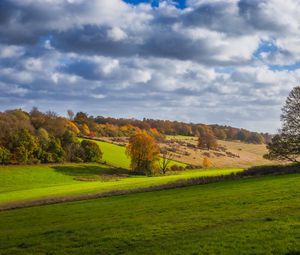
[33,182]
[250,216]
[115,155]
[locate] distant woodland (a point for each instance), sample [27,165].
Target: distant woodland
[107,126]
[38,137]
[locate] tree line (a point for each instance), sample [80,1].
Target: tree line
[113,127]
[36,137]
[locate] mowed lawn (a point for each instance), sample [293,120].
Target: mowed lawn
[114,155]
[22,183]
[249,216]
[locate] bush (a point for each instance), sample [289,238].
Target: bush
[92,152]
[176,168]
[206,162]
[74,152]
[56,150]
[46,157]
[4,155]
[24,146]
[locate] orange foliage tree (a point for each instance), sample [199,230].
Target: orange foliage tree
[207,140]
[206,162]
[143,152]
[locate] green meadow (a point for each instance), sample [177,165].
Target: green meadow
[22,183]
[248,216]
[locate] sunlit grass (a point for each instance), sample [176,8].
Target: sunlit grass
[249,216]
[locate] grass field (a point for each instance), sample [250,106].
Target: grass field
[21,183]
[249,216]
[114,155]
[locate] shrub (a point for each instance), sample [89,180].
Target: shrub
[74,152]
[206,162]
[92,152]
[4,155]
[176,168]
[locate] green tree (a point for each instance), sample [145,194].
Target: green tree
[56,150]
[68,138]
[286,144]
[24,146]
[92,152]
[4,155]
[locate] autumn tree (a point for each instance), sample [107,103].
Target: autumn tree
[37,118]
[81,118]
[206,162]
[207,140]
[73,127]
[286,144]
[143,152]
[85,130]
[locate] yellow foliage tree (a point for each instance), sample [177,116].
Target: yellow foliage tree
[143,152]
[85,129]
[206,162]
[73,127]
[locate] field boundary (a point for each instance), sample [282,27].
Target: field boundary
[250,173]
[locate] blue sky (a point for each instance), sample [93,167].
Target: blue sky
[230,62]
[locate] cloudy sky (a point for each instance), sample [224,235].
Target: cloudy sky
[210,61]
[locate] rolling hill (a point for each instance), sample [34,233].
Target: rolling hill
[249,216]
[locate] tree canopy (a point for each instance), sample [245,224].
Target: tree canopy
[286,144]
[143,152]
[38,137]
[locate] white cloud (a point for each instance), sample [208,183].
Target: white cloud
[116,34]
[195,64]
[11,51]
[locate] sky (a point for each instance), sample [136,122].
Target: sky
[230,62]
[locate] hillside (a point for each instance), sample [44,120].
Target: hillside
[114,155]
[231,153]
[250,216]
[20,184]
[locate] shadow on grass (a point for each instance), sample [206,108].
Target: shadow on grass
[83,170]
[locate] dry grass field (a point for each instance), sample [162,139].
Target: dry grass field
[230,153]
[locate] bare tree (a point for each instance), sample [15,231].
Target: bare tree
[166,158]
[71,114]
